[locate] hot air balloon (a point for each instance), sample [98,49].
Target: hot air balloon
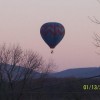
[52,33]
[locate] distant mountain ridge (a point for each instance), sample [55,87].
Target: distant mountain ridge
[16,72]
[77,72]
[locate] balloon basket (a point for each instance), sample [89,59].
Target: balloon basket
[51,51]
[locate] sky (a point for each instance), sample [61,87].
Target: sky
[21,20]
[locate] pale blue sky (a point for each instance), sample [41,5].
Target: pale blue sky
[20,22]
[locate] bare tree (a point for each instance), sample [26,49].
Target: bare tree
[48,67]
[94,20]
[97,40]
[17,67]
[96,36]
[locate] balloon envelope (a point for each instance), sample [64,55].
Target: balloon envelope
[52,33]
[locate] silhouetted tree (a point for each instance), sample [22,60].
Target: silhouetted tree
[17,68]
[96,36]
